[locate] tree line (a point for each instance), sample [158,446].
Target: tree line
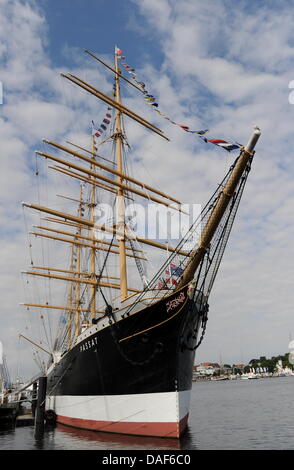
[269,364]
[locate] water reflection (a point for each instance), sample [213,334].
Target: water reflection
[226,415]
[57,437]
[188,440]
[10,426]
[101,440]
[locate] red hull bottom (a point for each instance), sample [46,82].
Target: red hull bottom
[169,430]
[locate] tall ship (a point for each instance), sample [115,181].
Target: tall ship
[123,354]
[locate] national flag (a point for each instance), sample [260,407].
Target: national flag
[223,143]
[172,281]
[172,270]
[118,51]
[175,270]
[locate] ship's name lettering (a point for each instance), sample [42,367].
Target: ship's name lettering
[88,344]
[172,304]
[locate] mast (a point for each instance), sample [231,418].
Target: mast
[120,192]
[75,287]
[120,184]
[70,302]
[78,269]
[216,215]
[93,249]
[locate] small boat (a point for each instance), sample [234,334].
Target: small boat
[221,377]
[249,376]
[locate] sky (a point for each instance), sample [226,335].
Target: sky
[211,65]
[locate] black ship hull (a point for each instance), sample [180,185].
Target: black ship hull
[133,375]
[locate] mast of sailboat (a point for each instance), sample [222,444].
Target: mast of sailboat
[120,192]
[73,320]
[217,213]
[70,301]
[78,269]
[120,185]
[93,249]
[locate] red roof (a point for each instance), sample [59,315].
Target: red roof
[210,364]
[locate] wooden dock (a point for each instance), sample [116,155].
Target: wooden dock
[24,420]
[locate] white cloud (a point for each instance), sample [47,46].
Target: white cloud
[241,64]
[37,104]
[232,65]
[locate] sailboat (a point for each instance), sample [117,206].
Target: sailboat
[123,359]
[9,404]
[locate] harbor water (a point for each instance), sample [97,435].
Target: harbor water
[224,415]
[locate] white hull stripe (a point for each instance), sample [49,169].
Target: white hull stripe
[156,414]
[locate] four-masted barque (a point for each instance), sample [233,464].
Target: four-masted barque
[122,361]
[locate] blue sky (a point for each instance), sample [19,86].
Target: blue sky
[222,64]
[97,25]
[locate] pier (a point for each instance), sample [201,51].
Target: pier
[24,420]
